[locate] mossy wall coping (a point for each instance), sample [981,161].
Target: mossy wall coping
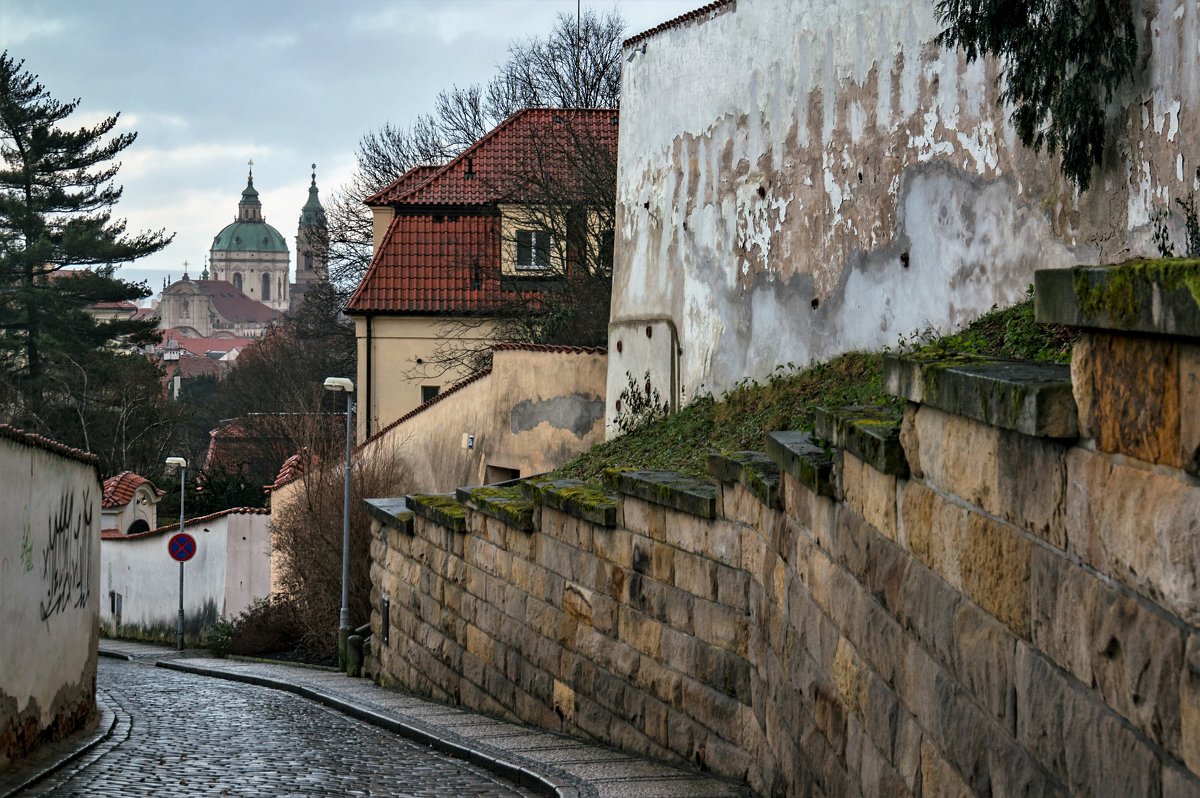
[799,454]
[507,504]
[441,508]
[1032,398]
[1148,296]
[754,470]
[574,497]
[390,512]
[872,434]
[667,488]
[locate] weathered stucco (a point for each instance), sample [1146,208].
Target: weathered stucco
[231,568]
[534,411]
[797,179]
[49,594]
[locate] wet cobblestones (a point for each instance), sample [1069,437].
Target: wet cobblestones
[184,735]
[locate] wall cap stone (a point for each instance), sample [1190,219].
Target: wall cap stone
[799,454]
[508,504]
[1032,398]
[1147,296]
[757,472]
[574,497]
[441,508]
[667,488]
[870,433]
[390,512]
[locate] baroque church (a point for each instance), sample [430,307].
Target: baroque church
[248,288]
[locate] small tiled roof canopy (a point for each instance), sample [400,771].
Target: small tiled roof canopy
[118,490]
[441,253]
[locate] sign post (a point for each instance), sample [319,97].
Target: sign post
[182,547]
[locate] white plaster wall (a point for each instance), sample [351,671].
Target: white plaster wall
[49,586]
[778,158]
[231,568]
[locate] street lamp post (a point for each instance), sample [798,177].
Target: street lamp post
[346,385]
[182,465]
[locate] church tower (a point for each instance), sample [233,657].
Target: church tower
[252,254]
[312,235]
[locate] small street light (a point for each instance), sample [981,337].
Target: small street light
[181,464]
[344,384]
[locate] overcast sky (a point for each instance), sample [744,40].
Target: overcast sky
[211,84]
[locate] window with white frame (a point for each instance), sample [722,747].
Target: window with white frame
[533,249]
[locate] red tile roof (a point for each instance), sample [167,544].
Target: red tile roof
[292,469]
[230,302]
[118,490]
[441,253]
[500,165]
[402,185]
[453,389]
[202,346]
[564,350]
[41,442]
[710,9]
[427,266]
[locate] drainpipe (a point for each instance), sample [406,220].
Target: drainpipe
[368,398]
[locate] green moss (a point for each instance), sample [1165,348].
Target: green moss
[586,496]
[447,505]
[496,493]
[1118,291]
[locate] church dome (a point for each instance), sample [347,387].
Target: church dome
[249,237]
[250,232]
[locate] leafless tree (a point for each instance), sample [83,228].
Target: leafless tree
[577,65]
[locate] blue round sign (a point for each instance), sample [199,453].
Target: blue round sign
[182,547]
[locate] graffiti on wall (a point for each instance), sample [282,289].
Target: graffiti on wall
[67,558]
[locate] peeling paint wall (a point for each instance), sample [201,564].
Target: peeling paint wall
[49,595]
[798,179]
[535,411]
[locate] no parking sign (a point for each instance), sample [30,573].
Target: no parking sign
[182,547]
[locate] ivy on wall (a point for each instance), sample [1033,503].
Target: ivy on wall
[1061,61]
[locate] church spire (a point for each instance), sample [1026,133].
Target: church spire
[313,213]
[249,208]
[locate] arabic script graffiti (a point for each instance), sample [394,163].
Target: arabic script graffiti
[67,558]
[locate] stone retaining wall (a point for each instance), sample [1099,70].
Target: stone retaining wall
[990,594]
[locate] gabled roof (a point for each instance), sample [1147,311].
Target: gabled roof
[227,300]
[202,346]
[402,185]
[118,490]
[427,266]
[496,168]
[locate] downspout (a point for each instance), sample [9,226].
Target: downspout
[369,405]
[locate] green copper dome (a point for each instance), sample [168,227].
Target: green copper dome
[249,237]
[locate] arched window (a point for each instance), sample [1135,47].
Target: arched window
[266,294]
[137,526]
[237,281]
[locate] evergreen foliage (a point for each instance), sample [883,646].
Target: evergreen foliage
[1061,62]
[63,373]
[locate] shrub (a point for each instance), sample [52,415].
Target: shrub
[267,626]
[218,638]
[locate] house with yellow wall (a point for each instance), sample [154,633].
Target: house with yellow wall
[458,245]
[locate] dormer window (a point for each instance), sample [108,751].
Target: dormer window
[533,249]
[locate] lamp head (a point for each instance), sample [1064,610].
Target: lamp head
[339,384]
[178,462]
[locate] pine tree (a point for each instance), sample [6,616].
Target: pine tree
[56,196]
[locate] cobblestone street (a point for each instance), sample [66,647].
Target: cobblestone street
[178,734]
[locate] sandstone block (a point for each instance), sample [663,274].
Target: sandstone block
[695,575]
[871,493]
[717,624]
[1189,407]
[1138,526]
[1075,737]
[1133,386]
[995,571]
[1189,704]
[938,777]
[640,631]
[613,544]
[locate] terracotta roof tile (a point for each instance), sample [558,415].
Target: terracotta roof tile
[565,350]
[453,389]
[118,490]
[41,442]
[435,264]
[402,185]
[292,469]
[202,346]
[231,303]
[709,9]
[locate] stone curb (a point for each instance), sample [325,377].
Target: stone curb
[439,508]
[668,489]
[526,777]
[390,512]
[755,471]
[872,434]
[115,655]
[1035,399]
[800,455]
[1150,296]
[104,729]
[574,497]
